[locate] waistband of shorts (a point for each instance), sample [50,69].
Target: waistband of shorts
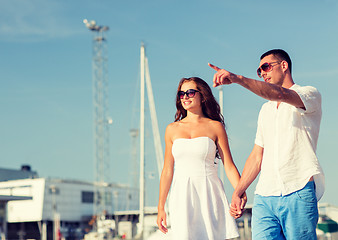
[310,184]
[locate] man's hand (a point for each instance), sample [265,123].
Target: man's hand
[162,221]
[237,205]
[222,76]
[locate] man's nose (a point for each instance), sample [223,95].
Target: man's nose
[263,73]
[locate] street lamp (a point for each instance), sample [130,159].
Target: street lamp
[91,25]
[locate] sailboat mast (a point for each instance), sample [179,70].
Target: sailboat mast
[154,122]
[142,95]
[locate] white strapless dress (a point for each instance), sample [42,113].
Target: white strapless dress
[198,207]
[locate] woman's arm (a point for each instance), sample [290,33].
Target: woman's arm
[225,154]
[165,181]
[229,165]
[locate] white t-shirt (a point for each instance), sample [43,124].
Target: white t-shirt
[289,137]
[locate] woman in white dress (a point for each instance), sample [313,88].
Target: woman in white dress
[198,206]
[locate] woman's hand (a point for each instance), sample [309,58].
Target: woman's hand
[237,205]
[162,221]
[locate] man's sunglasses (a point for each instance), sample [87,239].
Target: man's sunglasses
[190,93]
[266,67]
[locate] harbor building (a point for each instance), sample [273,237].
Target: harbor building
[32,207]
[37,208]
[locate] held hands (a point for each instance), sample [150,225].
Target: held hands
[237,205]
[162,218]
[222,76]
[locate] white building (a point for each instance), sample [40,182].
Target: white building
[71,200]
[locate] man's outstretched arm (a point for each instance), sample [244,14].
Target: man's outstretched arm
[265,90]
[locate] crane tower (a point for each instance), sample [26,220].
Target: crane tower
[101,121]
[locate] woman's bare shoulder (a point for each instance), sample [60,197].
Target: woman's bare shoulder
[215,124]
[172,127]
[217,128]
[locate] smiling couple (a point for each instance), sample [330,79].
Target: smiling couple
[291,180]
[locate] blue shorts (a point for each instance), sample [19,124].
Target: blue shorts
[293,216]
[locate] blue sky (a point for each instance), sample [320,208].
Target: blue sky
[46,75]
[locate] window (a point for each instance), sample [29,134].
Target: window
[87,197]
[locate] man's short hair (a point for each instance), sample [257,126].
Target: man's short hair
[280,54]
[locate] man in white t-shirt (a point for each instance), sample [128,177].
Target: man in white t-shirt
[291,180]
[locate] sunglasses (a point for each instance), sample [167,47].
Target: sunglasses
[266,67]
[190,93]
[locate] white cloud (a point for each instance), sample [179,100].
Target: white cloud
[33,20]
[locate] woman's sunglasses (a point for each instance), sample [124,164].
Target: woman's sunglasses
[190,93]
[266,67]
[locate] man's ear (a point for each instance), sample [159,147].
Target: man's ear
[285,65]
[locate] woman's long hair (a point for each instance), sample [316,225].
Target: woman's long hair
[210,106]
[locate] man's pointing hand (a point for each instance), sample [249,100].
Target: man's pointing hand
[221,77]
